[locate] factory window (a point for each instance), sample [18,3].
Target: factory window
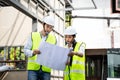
[113,63]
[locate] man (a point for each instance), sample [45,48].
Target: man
[75,69]
[36,71]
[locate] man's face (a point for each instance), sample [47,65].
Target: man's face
[69,38]
[48,28]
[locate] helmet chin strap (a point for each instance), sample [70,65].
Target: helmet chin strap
[46,33]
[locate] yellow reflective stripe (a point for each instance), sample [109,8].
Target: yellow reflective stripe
[66,73]
[77,71]
[78,62]
[31,61]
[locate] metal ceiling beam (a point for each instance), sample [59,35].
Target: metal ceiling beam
[106,18]
[40,5]
[70,9]
[61,2]
[16,4]
[58,33]
[45,7]
[94,4]
[51,8]
[70,4]
[79,8]
[94,17]
[3,3]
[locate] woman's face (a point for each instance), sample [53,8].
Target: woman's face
[69,38]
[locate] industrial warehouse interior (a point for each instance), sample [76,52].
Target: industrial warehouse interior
[97,23]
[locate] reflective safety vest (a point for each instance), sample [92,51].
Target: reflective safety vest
[77,70]
[36,39]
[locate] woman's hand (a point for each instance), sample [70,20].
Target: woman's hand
[71,53]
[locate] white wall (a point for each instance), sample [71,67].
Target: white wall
[95,32]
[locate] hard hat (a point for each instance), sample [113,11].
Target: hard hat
[70,31]
[49,20]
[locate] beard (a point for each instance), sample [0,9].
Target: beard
[46,33]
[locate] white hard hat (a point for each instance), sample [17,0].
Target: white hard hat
[70,31]
[49,20]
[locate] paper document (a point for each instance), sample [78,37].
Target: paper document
[52,56]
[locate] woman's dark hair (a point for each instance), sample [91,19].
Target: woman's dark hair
[74,35]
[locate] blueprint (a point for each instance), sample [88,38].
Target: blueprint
[52,56]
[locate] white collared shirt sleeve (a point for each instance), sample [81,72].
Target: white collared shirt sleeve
[82,49]
[27,48]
